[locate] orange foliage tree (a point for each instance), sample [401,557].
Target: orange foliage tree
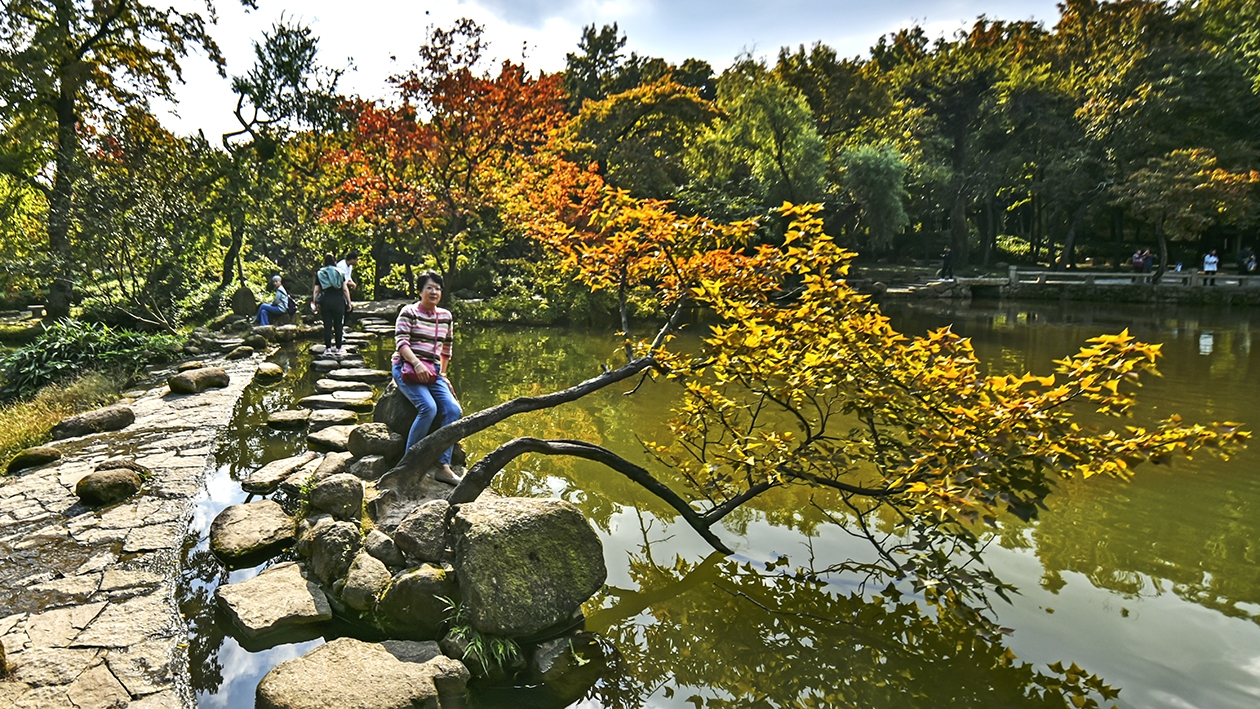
[425,171]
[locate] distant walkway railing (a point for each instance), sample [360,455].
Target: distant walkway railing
[1171,278]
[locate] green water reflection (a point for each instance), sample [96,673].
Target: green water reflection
[1152,585]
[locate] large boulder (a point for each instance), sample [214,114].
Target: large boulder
[339,495]
[376,439]
[105,487]
[351,674]
[198,380]
[365,580]
[33,457]
[244,302]
[524,564]
[333,549]
[252,530]
[415,604]
[422,534]
[242,352]
[256,341]
[110,418]
[394,410]
[267,478]
[280,597]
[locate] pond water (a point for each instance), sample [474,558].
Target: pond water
[1152,585]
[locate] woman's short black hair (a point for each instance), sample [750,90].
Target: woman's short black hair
[329,260]
[429,276]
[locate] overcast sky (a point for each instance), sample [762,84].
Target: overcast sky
[380,37]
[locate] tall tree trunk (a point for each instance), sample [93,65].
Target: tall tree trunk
[233,255]
[991,238]
[1163,252]
[959,232]
[61,290]
[1069,242]
[380,258]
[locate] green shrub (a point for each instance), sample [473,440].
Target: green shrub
[68,347]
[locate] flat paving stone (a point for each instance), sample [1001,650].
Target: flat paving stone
[328,386]
[323,418]
[333,438]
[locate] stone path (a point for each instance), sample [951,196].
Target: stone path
[88,617]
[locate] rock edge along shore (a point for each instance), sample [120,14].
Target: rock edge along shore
[88,616]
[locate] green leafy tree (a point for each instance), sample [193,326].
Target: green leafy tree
[64,62]
[875,179]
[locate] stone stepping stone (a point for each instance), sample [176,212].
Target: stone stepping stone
[360,374]
[252,531]
[197,364]
[346,347]
[242,352]
[32,457]
[333,438]
[110,418]
[270,370]
[328,365]
[291,420]
[323,418]
[195,381]
[347,672]
[328,386]
[278,598]
[267,478]
[353,400]
[105,487]
[362,337]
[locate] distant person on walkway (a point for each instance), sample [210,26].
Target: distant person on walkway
[332,300]
[1148,261]
[1138,261]
[947,264]
[1210,263]
[422,339]
[346,266]
[279,305]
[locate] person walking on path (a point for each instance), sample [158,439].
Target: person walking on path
[346,266]
[332,300]
[1210,264]
[279,305]
[947,264]
[422,343]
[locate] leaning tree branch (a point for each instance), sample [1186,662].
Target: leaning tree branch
[479,476]
[426,451]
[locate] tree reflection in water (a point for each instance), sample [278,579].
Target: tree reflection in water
[722,633]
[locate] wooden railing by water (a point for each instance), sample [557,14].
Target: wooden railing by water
[1019,276]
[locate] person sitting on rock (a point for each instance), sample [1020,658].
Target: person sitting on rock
[422,337]
[279,305]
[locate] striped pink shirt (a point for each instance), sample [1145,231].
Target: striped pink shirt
[428,333]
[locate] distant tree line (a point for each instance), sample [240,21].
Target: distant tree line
[1130,124]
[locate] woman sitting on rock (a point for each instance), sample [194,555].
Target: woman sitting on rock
[422,337]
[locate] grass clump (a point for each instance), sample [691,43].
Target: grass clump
[27,422]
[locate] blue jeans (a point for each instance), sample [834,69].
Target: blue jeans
[265,311]
[434,400]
